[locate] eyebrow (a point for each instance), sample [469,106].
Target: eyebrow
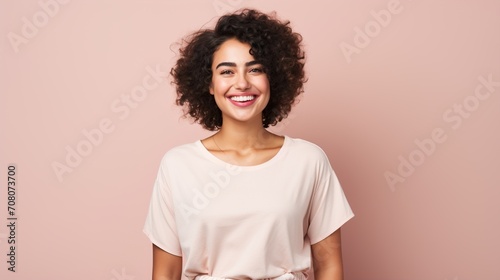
[232,64]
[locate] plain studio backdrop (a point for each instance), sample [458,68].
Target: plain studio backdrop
[404,96]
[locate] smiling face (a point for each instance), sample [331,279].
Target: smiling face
[239,84]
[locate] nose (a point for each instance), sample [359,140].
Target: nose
[242,82]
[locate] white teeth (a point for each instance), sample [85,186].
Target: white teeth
[242,98]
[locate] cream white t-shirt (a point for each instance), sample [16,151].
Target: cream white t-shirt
[243,222]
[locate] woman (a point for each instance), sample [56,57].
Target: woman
[244,203]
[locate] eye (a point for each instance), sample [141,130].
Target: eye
[256,70]
[226,72]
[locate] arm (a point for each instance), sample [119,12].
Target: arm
[327,258]
[165,265]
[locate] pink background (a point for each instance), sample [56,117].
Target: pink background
[367,109]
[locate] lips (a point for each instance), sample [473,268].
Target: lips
[243,100]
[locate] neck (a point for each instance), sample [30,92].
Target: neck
[242,135]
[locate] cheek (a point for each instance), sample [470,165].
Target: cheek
[220,85]
[263,84]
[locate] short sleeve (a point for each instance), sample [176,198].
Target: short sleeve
[160,226]
[329,206]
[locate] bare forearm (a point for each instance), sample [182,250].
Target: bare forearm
[331,273]
[165,265]
[327,258]
[165,278]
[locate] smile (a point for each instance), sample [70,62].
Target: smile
[242,100]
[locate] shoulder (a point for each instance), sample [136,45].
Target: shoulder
[180,153]
[304,146]
[307,149]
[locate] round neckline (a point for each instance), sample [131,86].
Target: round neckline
[270,161]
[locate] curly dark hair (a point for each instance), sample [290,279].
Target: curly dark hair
[272,43]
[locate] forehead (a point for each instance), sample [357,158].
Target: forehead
[233,50]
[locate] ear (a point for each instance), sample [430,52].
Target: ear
[211,89]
